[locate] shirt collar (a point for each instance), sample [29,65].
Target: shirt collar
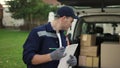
[50,28]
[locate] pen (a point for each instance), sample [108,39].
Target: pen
[52,48]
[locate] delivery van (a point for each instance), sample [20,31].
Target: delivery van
[91,31]
[97,32]
[93,21]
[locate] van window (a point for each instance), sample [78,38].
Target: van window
[107,31]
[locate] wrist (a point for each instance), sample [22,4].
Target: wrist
[50,58]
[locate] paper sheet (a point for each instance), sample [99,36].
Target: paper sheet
[70,50]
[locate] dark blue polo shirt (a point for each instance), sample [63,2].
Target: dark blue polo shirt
[39,41]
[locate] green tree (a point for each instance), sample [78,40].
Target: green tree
[32,11]
[29,8]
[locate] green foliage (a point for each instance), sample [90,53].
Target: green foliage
[29,8]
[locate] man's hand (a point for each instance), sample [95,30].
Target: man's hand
[72,61]
[58,54]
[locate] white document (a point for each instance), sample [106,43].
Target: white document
[70,50]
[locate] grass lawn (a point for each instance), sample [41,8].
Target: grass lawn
[11,43]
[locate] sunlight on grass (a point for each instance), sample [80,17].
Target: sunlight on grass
[11,43]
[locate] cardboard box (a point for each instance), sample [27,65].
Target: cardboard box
[110,55]
[89,62]
[88,51]
[87,39]
[85,61]
[96,61]
[82,60]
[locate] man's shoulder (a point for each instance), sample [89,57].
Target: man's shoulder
[40,28]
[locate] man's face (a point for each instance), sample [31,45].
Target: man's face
[67,22]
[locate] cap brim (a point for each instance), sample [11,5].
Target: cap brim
[75,17]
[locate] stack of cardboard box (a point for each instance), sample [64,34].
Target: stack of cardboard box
[88,51]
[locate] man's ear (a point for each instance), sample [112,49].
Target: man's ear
[64,18]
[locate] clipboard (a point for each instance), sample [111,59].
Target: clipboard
[70,50]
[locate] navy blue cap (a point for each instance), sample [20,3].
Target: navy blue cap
[66,11]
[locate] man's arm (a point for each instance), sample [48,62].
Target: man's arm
[38,59]
[55,55]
